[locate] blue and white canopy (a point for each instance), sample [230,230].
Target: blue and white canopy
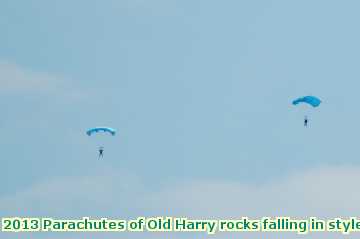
[311,100]
[101,130]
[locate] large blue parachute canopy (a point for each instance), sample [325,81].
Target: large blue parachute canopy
[311,100]
[101,129]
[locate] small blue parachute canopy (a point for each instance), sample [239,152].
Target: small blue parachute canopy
[101,129]
[311,100]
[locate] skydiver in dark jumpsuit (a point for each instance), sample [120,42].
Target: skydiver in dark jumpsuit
[101,152]
[306,121]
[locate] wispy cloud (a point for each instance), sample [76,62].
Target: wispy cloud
[322,192]
[16,78]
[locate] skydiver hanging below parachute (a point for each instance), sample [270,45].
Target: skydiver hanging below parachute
[97,130]
[101,152]
[310,100]
[305,121]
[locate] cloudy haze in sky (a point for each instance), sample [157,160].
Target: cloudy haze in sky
[200,94]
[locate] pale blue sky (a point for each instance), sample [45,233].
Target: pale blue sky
[198,90]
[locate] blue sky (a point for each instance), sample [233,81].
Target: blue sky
[199,91]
